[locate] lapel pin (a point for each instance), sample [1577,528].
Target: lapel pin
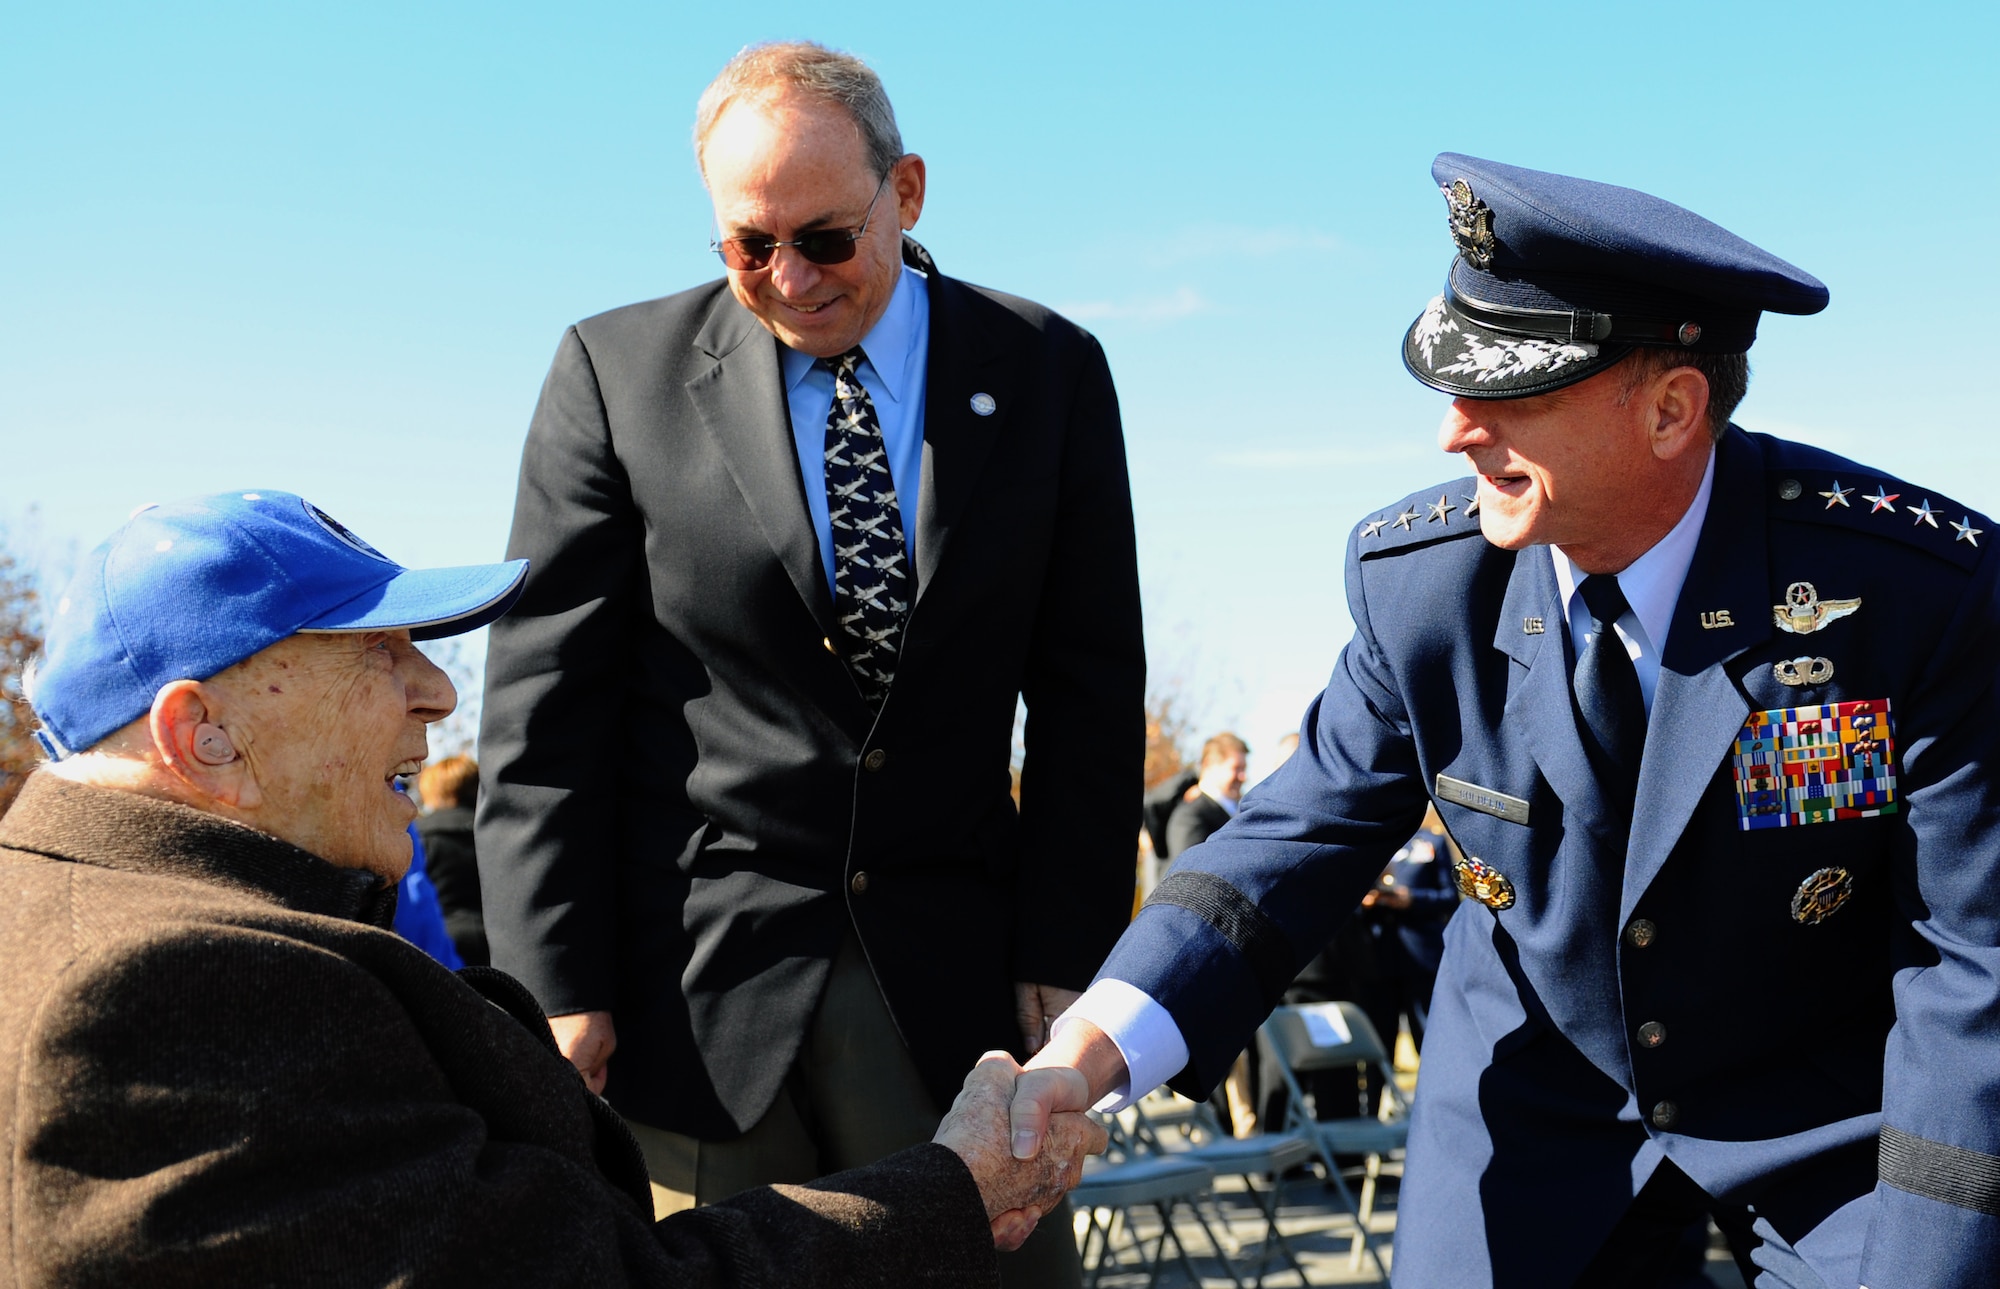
[983,404]
[1803,612]
[1531,626]
[1716,619]
[1803,671]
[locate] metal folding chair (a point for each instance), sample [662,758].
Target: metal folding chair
[1329,1037]
[1141,1177]
[1266,1154]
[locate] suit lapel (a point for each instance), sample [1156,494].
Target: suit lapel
[965,360]
[1531,632]
[741,401]
[1698,706]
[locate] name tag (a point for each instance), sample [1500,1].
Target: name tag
[1485,800]
[1814,765]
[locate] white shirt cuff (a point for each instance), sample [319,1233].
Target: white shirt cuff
[1143,1031]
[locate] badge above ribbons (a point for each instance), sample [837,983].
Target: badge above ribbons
[1814,765]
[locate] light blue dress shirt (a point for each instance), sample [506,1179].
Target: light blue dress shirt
[893,374]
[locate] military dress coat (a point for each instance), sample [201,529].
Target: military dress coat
[221,1069]
[1784,978]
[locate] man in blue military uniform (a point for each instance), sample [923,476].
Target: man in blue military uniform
[1709,715]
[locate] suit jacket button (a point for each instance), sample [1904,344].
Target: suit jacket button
[1666,1114]
[1640,933]
[1652,1034]
[876,759]
[828,642]
[858,884]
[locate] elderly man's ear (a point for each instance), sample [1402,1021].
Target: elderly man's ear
[194,747]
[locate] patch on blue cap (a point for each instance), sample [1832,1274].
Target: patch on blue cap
[339,530]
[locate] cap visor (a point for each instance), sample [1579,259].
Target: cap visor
[431,602]
[1448,351]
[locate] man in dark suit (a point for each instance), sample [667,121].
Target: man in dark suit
[1211,801]
[801,539]
[1710,716]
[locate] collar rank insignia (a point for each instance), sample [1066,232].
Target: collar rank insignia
[1803,612]
[1477,881]
[1813,765]
[1471,224]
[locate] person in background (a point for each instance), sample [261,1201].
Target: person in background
[419,919]
[450,789]
[1212,800]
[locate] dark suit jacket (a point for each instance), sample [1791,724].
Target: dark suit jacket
[1193,822]
[687,805]
[221,1070]
[1695,990]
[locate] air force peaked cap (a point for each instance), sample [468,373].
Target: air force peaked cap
[185,590]
[1558,278]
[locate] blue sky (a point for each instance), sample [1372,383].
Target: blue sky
[331,248]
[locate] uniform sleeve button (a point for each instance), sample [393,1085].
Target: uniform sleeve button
[875,759]
[1652,1034]
[858,883]
[1640,933]
[1665,1114]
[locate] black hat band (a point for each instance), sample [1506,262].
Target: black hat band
[1586,326]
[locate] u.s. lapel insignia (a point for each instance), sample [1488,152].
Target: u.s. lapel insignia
[1820,896]
[1803,671]
[1478,881]
[1813,765]
[1532,626]
[1715,619]
[1803,612]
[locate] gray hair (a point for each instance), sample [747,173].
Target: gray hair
[760,71]
[1728,378]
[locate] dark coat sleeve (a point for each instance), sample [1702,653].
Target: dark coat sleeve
[1084,687]
[221,1105]
[548,808]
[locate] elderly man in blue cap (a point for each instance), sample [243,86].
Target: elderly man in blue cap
[223,1069]
[1711,717]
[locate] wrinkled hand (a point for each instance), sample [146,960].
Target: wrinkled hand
[1036,1008]
[588,1040]
[1017,1192]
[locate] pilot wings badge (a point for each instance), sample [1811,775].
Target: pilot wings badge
[1803,612]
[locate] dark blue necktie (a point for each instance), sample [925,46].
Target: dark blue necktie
[870,574]
[1607,691]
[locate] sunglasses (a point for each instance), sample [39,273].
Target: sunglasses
[821,246]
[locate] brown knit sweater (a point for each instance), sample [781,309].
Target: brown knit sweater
[217,1068]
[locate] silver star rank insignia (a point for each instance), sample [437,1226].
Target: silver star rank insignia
[1472,505]
[1923,513]
[1881,500]
[1404,520]
[1966,532]
[1836,496]
[1440,509]
[1373,527]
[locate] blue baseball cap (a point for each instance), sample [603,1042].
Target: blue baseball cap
[185,590]
[1558,278]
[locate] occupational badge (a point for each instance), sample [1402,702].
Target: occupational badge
[1471,224]
[1813,765]
[1820,896]
[1477,881]
[1803,671]
[1803,612]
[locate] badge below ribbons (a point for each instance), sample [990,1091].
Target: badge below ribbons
[1813,765]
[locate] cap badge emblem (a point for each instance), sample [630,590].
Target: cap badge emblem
[1803,612]
[1489,886]
[1471,224]
[1820,896]
[340,533]
[1689,333]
